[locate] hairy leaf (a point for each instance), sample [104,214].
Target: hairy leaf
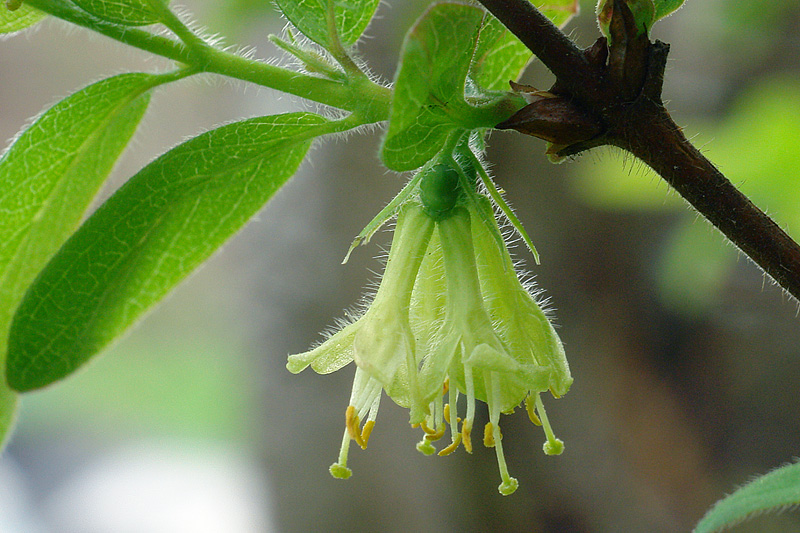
[157,229]
[666,7]
[773,491]
[48,178]
[501,57]
[429,86]
[644,12]
[20,18]
[323,20]
[558,11]
[126,12]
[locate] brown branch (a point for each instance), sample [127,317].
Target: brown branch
[618,88]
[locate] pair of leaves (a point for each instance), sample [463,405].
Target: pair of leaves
[429,87]
[645,13]
[148,237]
[452,53]
[330,22]
[48,178]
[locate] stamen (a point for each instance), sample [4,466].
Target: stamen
[466,435]
[552,446]
[488,435]
[366,431]
[451,416]
[452,447]
[529,407]
[339,469]
[469,418]
[352,423]
[432,435]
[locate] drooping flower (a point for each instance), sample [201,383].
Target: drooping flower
[450,318]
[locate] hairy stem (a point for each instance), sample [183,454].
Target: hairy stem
[368,99]
[661,144]
[619,86]
[543,38]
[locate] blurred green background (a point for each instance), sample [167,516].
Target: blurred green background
[685,358]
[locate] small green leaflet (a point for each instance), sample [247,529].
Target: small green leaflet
[150,235]
[501,57]
[645,12]
[429,85]
[22,17]
[322,20]
[558,11]
[48,178]
[776,490]
[125,12]
[666,7]
[448,42]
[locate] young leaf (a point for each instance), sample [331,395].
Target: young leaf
[429,85]
[49,176]
[667,7]
[158,228]
[322,20]
[18,19]
[500,56]
[558,11]
[125,12]
[644,12]
[773,491]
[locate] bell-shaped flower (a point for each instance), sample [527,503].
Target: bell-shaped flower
[381,342]
[449,318]
[471,354]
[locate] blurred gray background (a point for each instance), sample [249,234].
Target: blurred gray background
[685,359]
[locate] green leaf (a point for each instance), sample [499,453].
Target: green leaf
[644,12]
[429,86]
[8,410]
[48,178]
[325,21]
[125,12]
[148,237]
[20,18]
[667,7]
[501,57]
[558,11]
[773,491]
